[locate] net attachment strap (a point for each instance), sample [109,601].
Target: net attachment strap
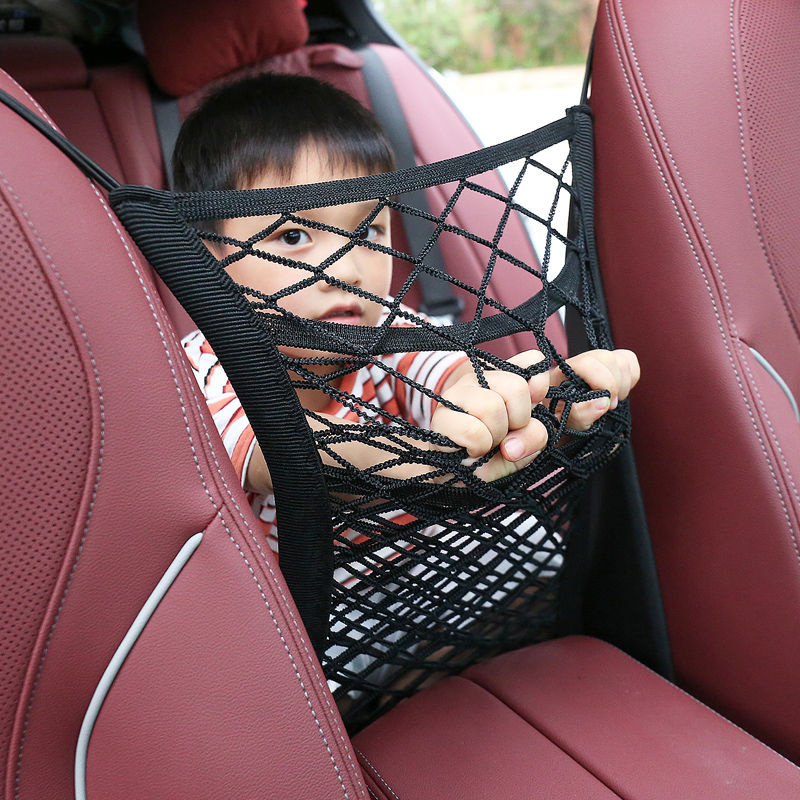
[78,157]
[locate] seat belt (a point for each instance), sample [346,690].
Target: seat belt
[165,107]
[438,299]
[168,124]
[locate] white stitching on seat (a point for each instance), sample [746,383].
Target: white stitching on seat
[743,350]
[210,496]
[720,325]
[90,509]
[708,708]
[751,198]
[377,774]
[740,343]
[41,111]
[311,660]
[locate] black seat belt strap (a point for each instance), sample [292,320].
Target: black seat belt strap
[168,125]
[438,298]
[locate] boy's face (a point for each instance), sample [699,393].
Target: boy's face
[361,267]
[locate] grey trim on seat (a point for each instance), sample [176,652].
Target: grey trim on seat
[780,381]
[121,653]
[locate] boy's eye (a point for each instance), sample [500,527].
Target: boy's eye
[294,237]
[371,233]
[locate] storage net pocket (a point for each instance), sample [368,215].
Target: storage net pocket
[409,565]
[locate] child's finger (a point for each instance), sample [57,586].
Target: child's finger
[483,405]
[582,415]
[515,391]
[524,444]
[464,430]
[625,367]
[537,384]
[629,366]
[595,367]
[599,368]
[535,436]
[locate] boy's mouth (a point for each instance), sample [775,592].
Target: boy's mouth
[344,315]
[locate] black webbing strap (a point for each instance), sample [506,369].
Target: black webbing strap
[197,206]
[254,367]
[438,298]
[560,291]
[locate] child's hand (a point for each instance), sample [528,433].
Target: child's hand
[616,371]
[499,415]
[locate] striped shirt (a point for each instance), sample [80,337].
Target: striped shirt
[371,383]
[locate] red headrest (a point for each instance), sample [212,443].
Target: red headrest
[191,42]
[43,62]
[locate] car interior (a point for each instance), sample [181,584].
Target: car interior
[151,646]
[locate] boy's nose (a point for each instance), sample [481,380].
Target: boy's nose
[344,269]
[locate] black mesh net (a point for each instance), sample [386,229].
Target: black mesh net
[411,566]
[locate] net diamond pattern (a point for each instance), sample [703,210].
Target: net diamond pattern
[425,566]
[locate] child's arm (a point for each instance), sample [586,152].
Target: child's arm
[358,453]
[501,414]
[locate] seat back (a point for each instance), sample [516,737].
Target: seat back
[53,71]
[111,468]
[697,224]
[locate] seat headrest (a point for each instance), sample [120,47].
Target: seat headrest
[43,62]
[192,42]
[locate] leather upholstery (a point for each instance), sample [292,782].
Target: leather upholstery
[43,62]
[114,474]
[191,42]
[696,152]
[121,91]
[570,718]
[53,70]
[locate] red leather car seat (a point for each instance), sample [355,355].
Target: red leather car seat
[53,71]
[697,224]
[110,466]
[111,471]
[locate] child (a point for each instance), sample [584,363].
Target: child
[277,130]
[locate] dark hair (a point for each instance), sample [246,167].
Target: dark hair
[255,125]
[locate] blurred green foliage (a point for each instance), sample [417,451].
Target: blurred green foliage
[486,35]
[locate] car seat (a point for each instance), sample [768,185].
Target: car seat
[697,220]
[150,647]
[110,468]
